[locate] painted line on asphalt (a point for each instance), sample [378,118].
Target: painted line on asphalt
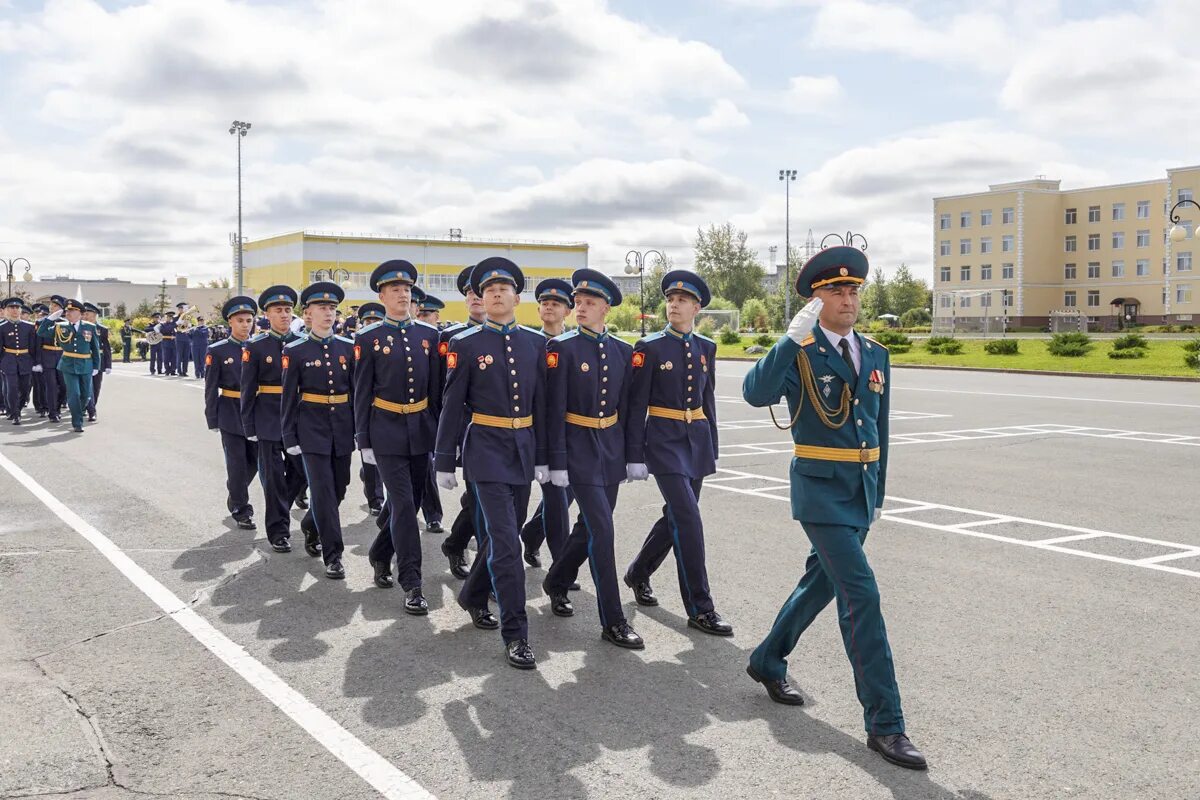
[373,768]
[1051,397]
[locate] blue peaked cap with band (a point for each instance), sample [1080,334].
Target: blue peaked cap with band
[238,304]
[322,292]
[395,271]
[594,282]
[276,295]
[431,303]
[496,269]
[684,280]
[371,311]
[463,281]
[554,289]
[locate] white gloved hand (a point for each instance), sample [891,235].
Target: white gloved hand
[560,478]
[95,372]
[368,455]
[108,371]
[54,314]
[251,438]
[293,451]
[447,481]
[878,514]
[802,324]
[636,472]
[37,367]
[541,473]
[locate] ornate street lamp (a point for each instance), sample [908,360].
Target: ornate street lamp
[635,264]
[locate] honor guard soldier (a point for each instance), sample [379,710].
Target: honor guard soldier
[672,434]
[429,310]
[318,416]
[200,338]
[183,341]
[462,530]
[40,310]
[368,314]
[156,350]
[222,408]
[838,386]
[587,384]
[397,394]
[493,404]
[261,409]
[127,342]
[19,341]
[91,313]
[80,345]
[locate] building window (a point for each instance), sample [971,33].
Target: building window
[944,247]
[964,273]
[985,272]
[986,300]
[1118,269]
[964,219]
[945,300]
[1185,194]
[1118,241]
[1188,228]
[1183,261]
[1069,299]
[1118,211]
[1071,216]
[1006,271]
[1093,213]
[943,222]
[1093,298]
[985,217]
[964,302]
[1143,238]
[1093,241]
[1143,267]
[1093,269]
[1069,272]
[985,244]
[1183,293]
[1006,298]
[1143,209]
[1006,216]
[1069,245]
[964,247]
[944,274]
[1006,244]
[105,310]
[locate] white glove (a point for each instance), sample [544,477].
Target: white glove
[293,451]
[108,371]
[95,372]
[636,472]
[559,478]
[251,438]
[541,474]
[447,481]
[802,324]
[37,367]
[878,514]
[368,455]
[55,314]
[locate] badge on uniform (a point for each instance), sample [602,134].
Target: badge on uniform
[229,360]
[451,358]
[245,355]
[342,361]
[875,382]
[284,362]
[444,348]
[551,360]
[667,365]
[208,359]
[269,359]
[639,359]
[386,350]
[482,361]
[425,343]
[826,379]
[584,367]
[357,353]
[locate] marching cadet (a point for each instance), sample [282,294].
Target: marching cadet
[168,329]
[46,365]
[318,416]
[200,335]
[183,341]
[837,385]
[91,313]
[368,474]
[19,341]
[261,409]
[80,346]
[222,407]
[40,310]
[397,393]
[672,434]
[493,396]
[156,350]
[587,384]
[429,311]
[462,530]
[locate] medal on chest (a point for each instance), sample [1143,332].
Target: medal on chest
[826,380]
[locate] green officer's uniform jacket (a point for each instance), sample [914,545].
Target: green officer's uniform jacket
[81,348]
[840,431]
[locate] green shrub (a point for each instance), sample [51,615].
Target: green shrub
[914,317]
[891,338]
[1192,346]
[1072,345]
[729,336]
[1002,347]
[1129,352]
[1192,360]
[943,345]
[1128,342]
[764,340]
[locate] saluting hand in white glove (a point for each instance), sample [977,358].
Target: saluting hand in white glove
[802,324]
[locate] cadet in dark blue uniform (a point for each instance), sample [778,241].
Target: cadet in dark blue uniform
[222,395]
[200,336]
[19,343]
[169,329]
[429,311]
[672,434]
[837,384]
[91,313]
[261,410]
[397,394]
[493,400]
[40,310]
[368,474]
[183,341]
[587,384]
[318,415]
[156,350]
[46,365]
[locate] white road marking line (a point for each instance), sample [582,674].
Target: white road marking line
[1169,557]
[1050,397]
[163,380]
[373,768]
[1079,537]
[981,522]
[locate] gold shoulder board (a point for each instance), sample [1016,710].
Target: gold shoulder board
[874,342]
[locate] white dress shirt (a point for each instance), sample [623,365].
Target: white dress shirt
[852,340]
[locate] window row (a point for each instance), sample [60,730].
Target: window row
[1007,217]
[986,245]
[985,300]
[985,273]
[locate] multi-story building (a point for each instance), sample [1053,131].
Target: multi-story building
[1022,251]
[300,258]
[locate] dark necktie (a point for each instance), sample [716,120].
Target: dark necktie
[845,348]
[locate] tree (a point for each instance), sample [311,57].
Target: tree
[654,297]
[874,298]
[755,315]
[144,309]
[906,292]
[729,267]
[776,306]
[218,283]
[161,302]
[121,311]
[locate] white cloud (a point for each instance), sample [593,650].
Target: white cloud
[724,115]
[809,94]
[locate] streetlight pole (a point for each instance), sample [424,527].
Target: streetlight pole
[239,131]
[787,176]
[10,264]
[635,263]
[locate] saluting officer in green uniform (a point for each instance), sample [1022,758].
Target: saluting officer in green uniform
[837,385]
[80,355]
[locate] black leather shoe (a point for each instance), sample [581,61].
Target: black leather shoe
[711,623]
[574,587]
[415,603]
[458,562]
[642,592]
[623,636]
[281,546]
[335,570]
[532,558]
[520,654]
[383,573]
[434,527]
[482,618]
[302,502]
[312,541]
[560,604]
[374,510]
[897,749]
[246,524]
[91,418]
[779,691]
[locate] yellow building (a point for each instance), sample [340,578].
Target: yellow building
[1021,251]
[300,258]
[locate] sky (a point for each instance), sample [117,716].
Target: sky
[626,123]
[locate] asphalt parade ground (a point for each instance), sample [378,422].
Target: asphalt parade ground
[1039,562]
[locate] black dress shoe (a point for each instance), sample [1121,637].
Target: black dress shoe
[711,622]
[532,558]
[520,654]
[91,417]
[246,524]
[642,592]
[302,502]
[560,604]
[281,546]
[458,562]
[383,573]
[779,691]
[574,587]
[415,603]
[434,527]
[335,570]
[312,541]
[623,636]
[374,510]
[897,749]
[482,618]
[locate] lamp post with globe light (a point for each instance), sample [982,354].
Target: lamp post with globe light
[635,264]
[10,264]
[1178,232]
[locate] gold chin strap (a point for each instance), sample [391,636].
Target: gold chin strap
[833,418]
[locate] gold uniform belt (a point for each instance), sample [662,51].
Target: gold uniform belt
[327,399]
[268,388]
[10,351]
[168,338]
[684,415]
[856,455]
[234,393]
[501,422]
[77,355]
[599,423]
[401,408]
[50,347]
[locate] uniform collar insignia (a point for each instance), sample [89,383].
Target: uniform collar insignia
[687,337]
[316,338]
[397,323]
[591,334]
[499,327]
[826,379]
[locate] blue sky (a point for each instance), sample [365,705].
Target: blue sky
[621,123]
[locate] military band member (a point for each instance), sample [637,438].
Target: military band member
[200,338]
[838,387]
[91,313]
[222,408]
[156,350]
[80,346]
[318,416]
[169,329]
[183,341]
[127,342]
[18,354]
[493,398]
[368,474]
[672,434]
[261,411]
[397,394]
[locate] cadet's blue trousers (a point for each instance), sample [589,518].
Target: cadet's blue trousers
[168,355]
[592,542]
[281,477]
[16,385]
[328,476]
[500,512]
[431,501]
[681,529]
[550,521]
[241,463]
[155,359]
[404,477]
[372,484]
[837,568]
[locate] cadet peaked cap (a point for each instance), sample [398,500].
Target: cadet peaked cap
[238,305]
[92,307]
[371,311]
[73,305]
[322,292]
[832,266]
[395,271]
[594,282]
[418,294]
[42,307]
[431,303]
[683,280]
[277,295]
[58,300]
[12,301]
[496,269]
[463,281]
[554,289]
